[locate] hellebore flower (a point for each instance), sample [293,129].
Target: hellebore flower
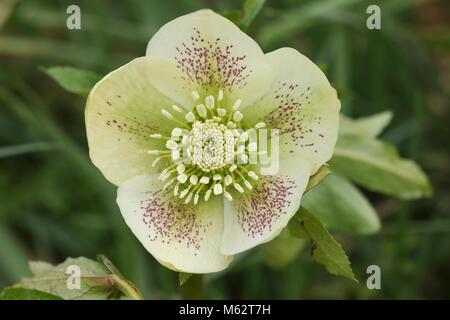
[175,131]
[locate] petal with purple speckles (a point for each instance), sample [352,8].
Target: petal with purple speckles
[259,215]
[214,54]
[122,110]
[182,237]
[302,105]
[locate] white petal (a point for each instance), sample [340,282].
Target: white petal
[181,236]
[302,105]
[259,215]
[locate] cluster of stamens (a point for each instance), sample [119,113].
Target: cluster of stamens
[208,151]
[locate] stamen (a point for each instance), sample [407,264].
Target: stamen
[190,117]
[238,187]
[228,180]
[177,108]
[236,105]
[207,194]
[221,112]
[155,162]
[194,179]
[181,168]
[252,175]
[248,184]
[260,125]
[209,101]
[167,114]
[176,132]
[237,116]
[228,196]
[231,124]
[220,96]
[182,178]
[252,147]
[168,183]
[195,95]
[204,180]
[172,145]
[201,110]
[156,136]
[218,189]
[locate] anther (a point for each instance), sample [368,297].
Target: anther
[221,112]
[190,117]
[172,145]
[237,116]
[236,105]
[193,179]
[209,101]
[201,110]
[238,187]
[195,95]
[252,175]
[252,147]
[228,196]
[218,189]
[260,125]
[156,136]
[166,114]
[228,180]
[220,96]
[182,178]
[177,108]
[155,162]
[204,180]
[207,194]
[181,168]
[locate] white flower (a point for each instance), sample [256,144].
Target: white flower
[166,128]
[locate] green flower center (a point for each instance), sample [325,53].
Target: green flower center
[209,152]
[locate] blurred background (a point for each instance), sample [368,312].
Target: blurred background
[54,203]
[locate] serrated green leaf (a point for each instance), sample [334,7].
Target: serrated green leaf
[340,205]
[365,127]
[377,166]
[280,251]
[317,177]
[96,281]
[183,277]
[325,250]
[26,294]
[73,80]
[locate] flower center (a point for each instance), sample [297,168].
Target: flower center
[211,145]
[208,153]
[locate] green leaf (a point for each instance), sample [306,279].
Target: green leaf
[9,151]
[251,9]
[365,127]
[108,264]
[183,277]
[280,251]
[73,80]
[317,177]
[325,249]
[244,17]
[377,166]
[340,205]
[26,294]
[96,281]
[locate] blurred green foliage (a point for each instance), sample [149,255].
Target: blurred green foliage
[56,204]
